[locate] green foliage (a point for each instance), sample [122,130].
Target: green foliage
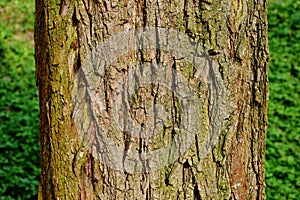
[19,110]
[283,149]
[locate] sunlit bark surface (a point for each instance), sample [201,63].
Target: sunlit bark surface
[229,96]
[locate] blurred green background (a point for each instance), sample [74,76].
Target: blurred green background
[19,110]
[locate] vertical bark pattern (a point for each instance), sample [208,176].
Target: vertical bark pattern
[234,34]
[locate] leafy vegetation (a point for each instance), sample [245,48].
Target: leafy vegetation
[19,110]
[19,121]
[283,143]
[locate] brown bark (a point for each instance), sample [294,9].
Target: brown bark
[233,35]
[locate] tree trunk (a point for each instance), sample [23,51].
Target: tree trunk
[152,99]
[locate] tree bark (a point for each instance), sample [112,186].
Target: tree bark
[232,36]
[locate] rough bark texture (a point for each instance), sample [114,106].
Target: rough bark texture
[235,36]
